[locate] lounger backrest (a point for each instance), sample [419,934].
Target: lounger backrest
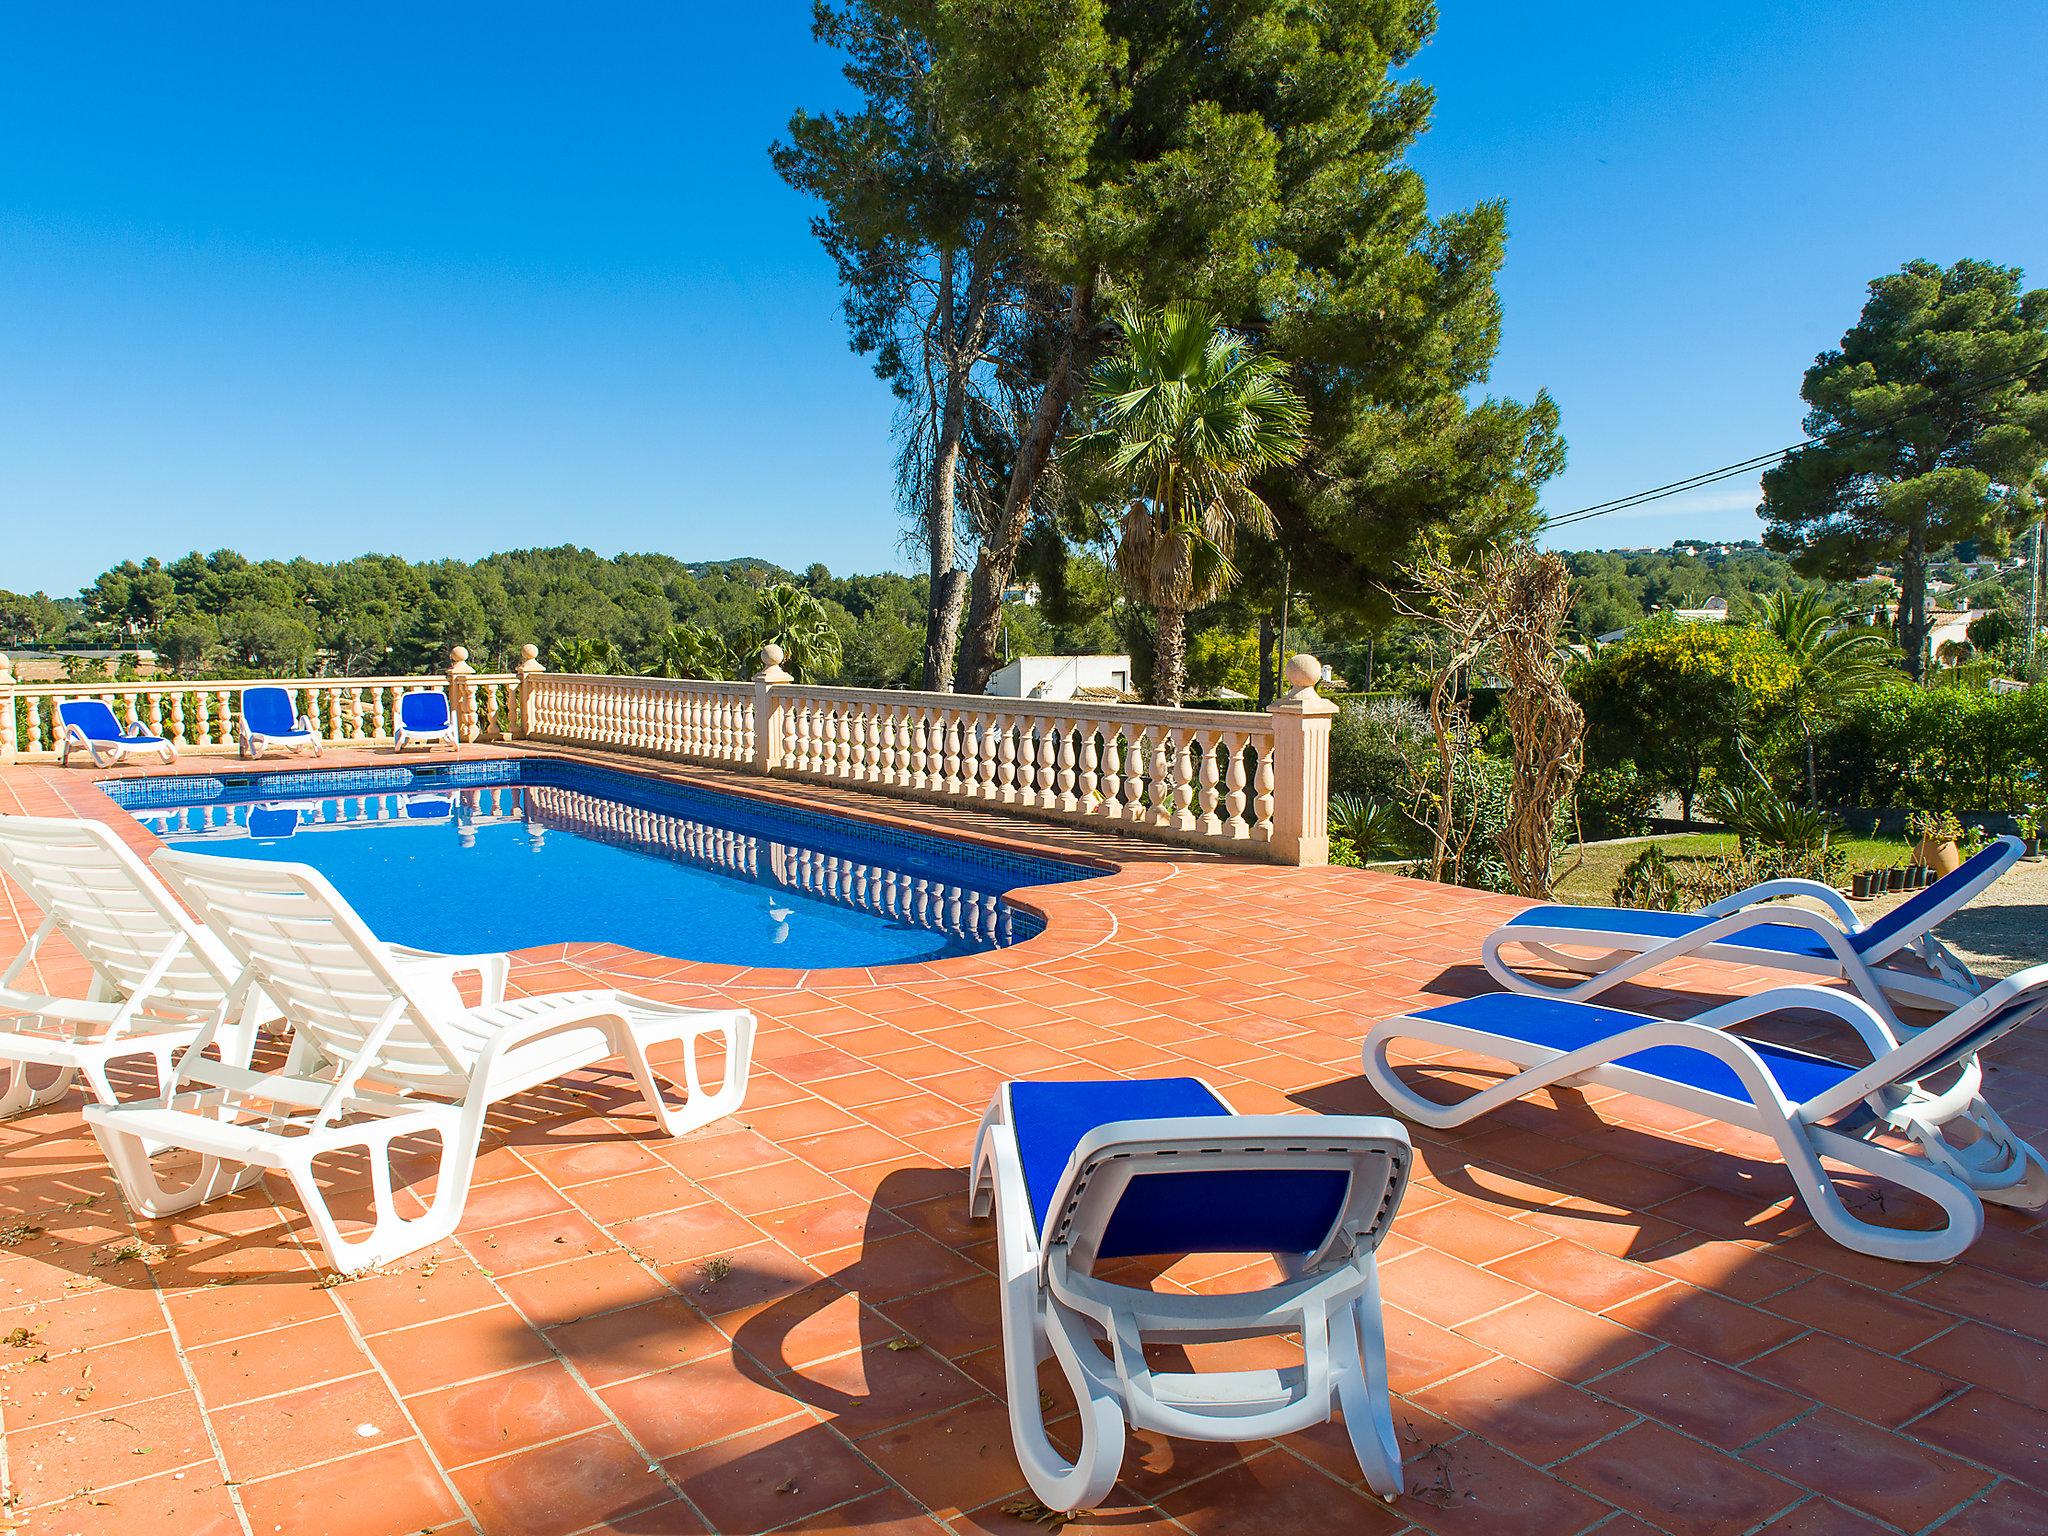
[1308,1185]
[92,717]
[327,973]
[423,711]
[114,912]
[1919,913]
[268,711]
[2020,998]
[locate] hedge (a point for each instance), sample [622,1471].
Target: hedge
[1938,749]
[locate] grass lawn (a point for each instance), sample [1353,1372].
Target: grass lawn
[1592,881]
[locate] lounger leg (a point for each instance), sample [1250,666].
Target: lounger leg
[1996,1161]
[1359,1363]
[23,1093]
[702,1107]
[1028,1336]
[1802,1149]
[144,1189]
[393,1235]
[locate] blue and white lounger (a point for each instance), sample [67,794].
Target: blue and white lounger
[423,719]
[1081,1172]
[270,719]
[90,724]
[1811,1106]
[1751,928]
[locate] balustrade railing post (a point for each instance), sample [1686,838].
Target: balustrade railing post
[768,710]
[8,746]
[1301,766]
[526,699]
[461,694]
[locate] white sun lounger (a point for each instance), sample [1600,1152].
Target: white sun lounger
[1753,927]
[1811,1106]
[1081,1172]
[383,1048]
[157,976]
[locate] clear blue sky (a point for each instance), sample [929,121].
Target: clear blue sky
[447,279]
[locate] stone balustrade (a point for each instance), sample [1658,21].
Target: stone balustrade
[200,716]
[1257,783]
[1254,783]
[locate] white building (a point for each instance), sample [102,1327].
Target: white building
[1061,677]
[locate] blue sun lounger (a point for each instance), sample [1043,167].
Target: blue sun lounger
[423,719]
[1080,1173]
[90,724]
[1811,1106]
[270,719]
[1610,945]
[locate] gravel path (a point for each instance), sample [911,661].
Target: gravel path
[2002,931]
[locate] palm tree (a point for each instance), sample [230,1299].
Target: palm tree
[1835,661]
[1181,419]
[690,650]
[788,616]
[582,653]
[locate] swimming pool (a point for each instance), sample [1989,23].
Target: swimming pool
[517,853]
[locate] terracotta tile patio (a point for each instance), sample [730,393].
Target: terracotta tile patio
[1601,1317]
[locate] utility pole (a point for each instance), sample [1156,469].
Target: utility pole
[1286,603]
[2034,597]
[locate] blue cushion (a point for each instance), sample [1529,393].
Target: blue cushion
[423,711]
[1780,938]
[1565,1026]
[1912,916]
[269,712]
[97,721]
[1285,1210]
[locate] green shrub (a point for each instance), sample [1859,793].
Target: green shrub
[1936,748]
[1372,742]
[1615,801]
[1655,881]
[1372,829]
[1760,818]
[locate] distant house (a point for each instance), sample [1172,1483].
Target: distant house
[1060,678]
[1714,611]
[1950,626]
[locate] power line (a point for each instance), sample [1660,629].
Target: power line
[1765,460]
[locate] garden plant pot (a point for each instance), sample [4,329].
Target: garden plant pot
[1859,887]
[1943,858]
[1895,879]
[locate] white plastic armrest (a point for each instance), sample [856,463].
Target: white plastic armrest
[1871,1026]
[1776,890]
[494,971]
[564,1014]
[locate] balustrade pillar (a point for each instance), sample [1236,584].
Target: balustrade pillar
[1301,766]
[526,696]
[8,745]
[461,694]
[768,716]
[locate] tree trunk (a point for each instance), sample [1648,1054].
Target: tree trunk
[943,601]
[1269,676]
[998,559]
[1170,659]
[1812,767]
[1913,605]
[942,626]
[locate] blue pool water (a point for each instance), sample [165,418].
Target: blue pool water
[512,854]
